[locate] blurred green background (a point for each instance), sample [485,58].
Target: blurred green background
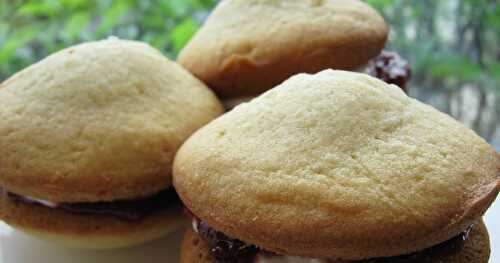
[453,45]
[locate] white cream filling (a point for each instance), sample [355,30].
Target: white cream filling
[194,224]
[40,201]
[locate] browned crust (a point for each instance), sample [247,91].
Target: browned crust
[233,67]
[243,76]
[42,219]
[476,250]
[231,103]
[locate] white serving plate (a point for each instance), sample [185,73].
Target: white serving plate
[16,247]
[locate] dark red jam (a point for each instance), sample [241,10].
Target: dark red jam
[391,68]
[129,210]
[225,249]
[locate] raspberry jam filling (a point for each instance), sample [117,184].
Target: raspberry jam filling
[391,68]
[225,249]
[129,210]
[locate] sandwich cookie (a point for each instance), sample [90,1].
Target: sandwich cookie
[249,46]
[87,140]
[337,165]
[200,245]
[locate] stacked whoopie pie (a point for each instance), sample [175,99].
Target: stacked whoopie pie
[87,140]
[249,46]
[336,167]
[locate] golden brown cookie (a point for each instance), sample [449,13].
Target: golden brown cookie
[337,165]
[476,249]
[248,46]
[97,122]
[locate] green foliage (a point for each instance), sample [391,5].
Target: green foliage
[451,42]
[181,33]
[32,29]
[111,16]
[380,4]
[454,66]
[76,24]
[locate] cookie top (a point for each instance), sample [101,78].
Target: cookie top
[248,46]
[98,122]
[337,165]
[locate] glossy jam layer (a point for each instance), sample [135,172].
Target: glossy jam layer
[130,210]
[391,68]
[225,249]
